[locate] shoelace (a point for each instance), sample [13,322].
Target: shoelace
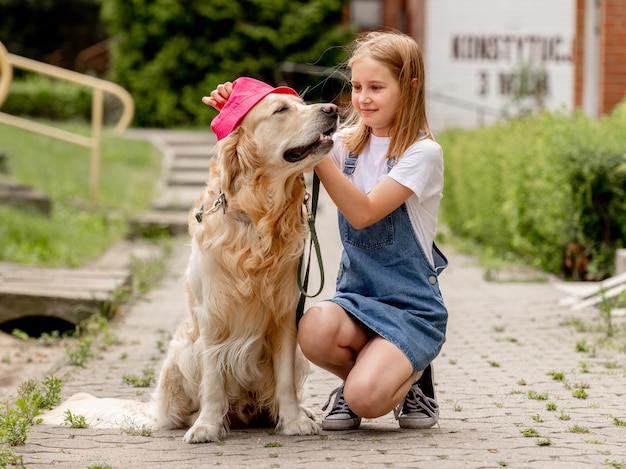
[417,401]
[339,406]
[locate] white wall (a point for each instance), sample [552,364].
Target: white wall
[475,49]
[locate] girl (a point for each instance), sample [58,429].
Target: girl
[387,319]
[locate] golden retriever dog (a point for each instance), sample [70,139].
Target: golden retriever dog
[236,356]
[235,360]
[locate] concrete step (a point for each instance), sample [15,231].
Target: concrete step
[68,294]
[173,222]
[187,178]
[181,198]
[23,196]
[190,163]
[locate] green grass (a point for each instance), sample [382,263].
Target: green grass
[76,231]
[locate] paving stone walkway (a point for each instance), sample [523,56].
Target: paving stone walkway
[507,381]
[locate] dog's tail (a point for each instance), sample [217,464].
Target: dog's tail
[103,413]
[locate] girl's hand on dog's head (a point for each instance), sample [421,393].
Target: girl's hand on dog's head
[219,95]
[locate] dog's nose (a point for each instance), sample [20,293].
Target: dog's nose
[331,109]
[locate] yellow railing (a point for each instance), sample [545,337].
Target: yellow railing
[98,86]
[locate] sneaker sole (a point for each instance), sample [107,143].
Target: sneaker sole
[420,424]
[339,425]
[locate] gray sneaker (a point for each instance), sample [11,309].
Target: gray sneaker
[340,417]
[419,408]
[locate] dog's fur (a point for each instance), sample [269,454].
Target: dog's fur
[235,358]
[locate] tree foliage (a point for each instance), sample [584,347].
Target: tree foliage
[169,53]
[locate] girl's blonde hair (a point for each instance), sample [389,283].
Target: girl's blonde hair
[401,55]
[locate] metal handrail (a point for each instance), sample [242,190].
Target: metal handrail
[98,86]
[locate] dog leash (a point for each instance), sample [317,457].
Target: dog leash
[303,284]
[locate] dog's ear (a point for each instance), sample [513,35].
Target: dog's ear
[238,156]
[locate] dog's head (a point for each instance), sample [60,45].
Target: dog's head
[280,136]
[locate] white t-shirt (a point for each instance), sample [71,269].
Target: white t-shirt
[420,169]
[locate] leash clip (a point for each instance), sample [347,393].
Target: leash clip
[307,205]
[220,201]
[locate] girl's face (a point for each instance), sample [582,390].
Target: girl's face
[375,95]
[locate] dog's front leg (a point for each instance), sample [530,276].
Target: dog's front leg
[293,419]
[209,425]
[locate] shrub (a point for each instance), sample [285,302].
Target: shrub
[548,189]
[39,96]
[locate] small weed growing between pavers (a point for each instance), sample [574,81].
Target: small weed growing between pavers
[557,375]
[582,385]
[563,416]
[132,428]
[101,466]
[74,420]
[521,382]
[619,422]
[584,367]
[144,381]
[578,429]
[537,418]
[581,346]
[494,364]
[503,463]
[457,407]
[550,406]
[614,463]
[580,394]
[544,442]
[273,444]
[606,314]
[593,442]
[79,355]
[161,346]
[537,396]
[530,433]
[16,420]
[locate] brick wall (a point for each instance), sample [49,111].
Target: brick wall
[578,56]
[612,54]
[611,60]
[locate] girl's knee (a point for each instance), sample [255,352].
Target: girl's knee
[315,331]
[365,401]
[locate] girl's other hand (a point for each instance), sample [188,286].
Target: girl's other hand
[219,95]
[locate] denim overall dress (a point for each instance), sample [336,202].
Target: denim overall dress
[388,284]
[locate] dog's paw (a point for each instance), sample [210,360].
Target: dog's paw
[201,433]
[303,424]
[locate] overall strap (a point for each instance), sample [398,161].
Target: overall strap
[350,164]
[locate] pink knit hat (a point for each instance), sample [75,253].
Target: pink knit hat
[247,92]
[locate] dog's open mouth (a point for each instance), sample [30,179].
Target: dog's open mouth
[323,144]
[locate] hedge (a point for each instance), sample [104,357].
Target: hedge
[548,189]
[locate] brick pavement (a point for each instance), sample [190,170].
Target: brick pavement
[504,338]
